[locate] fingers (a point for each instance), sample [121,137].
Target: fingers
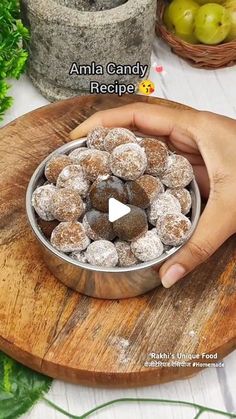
[214,227]
[202,179]
[122,116]
[146,118]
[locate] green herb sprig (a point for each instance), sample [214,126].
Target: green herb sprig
[13,56]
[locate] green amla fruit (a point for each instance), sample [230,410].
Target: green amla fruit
[230,5]
[207,1]
[179,18]
[212,24]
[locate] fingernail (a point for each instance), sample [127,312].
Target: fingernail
[172,275]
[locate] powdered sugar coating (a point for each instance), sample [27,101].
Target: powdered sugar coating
[96,164]
[174,229]
[73,177]
[79,256]
[125,254]
[78,154]
[184,198]
[163,204]
[102,253]
[87,204]
[69,237]
[179,172]
[98,226]
[157,155]
[55,165]
[42,201]
[128,161]
[67,205]
[147,247]
[144,190]
[118,136]
[95,138]
[105,188]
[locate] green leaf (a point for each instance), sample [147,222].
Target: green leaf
[13,56]
[20,388]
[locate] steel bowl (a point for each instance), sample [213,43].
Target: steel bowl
[94,281]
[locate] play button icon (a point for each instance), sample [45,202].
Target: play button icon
[117,210]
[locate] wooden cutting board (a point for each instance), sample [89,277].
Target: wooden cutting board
[55,330]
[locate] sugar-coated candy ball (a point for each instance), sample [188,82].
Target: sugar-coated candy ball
[47,227]
[96,164]
[102,253]
[104,189]
[55,165]
[98,226]
[79,256]
[148,246]
[184,198]
[73,177]
[143,191]
[179,172]
[42,200]
[118,136]
[162,204]
[67,205]
[128,161]
[173,229]
[125,254]
[95,138]
[132,225]
[78,154]
[157,155]
[87,204]
[69,237]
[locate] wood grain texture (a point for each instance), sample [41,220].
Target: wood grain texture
[55,330]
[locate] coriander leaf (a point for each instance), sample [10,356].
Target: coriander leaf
[13,56]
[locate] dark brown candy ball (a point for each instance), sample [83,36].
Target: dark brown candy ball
[98,226]
[102,190]
[128,161]
[54,166]
[173,229]
[157,155]
[95,138]
[67,205]
[118,136]
[69,237]
[184,198]
[47,227]
[96,164]
[179,172]
[143,191]
[131,226]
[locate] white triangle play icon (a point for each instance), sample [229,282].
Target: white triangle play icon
[117,210]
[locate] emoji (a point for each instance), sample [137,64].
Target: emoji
[159,69]
[146,87]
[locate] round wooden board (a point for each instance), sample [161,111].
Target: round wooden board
[55,330]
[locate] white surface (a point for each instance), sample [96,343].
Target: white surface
[117,210]
[211,90]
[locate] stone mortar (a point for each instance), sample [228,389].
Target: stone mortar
[61,35]
[91,5]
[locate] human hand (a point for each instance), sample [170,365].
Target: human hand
[208,141]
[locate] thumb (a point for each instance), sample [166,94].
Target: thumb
[214,227]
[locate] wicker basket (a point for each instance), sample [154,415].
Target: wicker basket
[202,56]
